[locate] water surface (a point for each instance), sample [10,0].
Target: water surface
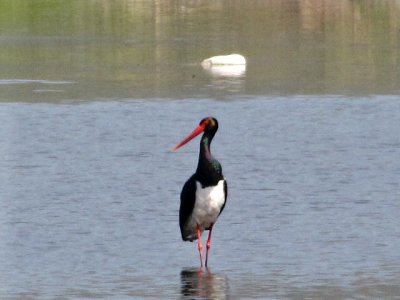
[90,197]
[93,96]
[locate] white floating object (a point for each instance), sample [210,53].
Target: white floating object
[231,59]
[232,65]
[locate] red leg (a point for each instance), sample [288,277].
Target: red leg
[208,246]
[199,245]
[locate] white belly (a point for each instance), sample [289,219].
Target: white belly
[209,202]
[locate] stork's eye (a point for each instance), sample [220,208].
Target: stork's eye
[209,123]
[205,122]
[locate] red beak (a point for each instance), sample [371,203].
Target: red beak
[191,136]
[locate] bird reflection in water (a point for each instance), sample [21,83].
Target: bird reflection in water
[203,284]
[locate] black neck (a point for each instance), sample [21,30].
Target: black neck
[209,170]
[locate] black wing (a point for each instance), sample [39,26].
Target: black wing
[226,196]
[188,197]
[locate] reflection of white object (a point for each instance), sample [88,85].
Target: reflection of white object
[233,65]
[231,59]
[227,70]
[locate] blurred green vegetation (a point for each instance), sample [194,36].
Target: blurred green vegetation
[303,46]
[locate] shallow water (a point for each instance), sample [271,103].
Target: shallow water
[90,197]
[94,95]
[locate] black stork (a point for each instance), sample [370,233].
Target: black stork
[203,196]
